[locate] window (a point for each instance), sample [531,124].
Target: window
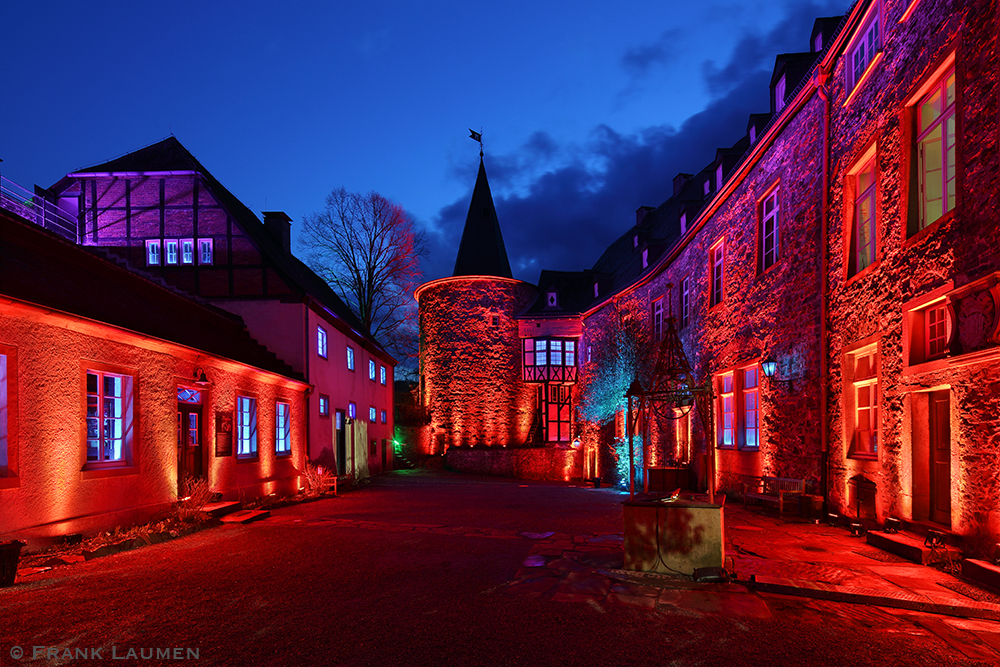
[321,342]
[727,412]
[685,301]
[152,253]
[4,416]
[751,409]
[936,330]
[596,291]
[372,415]
[635,241]
[282,428]
[552,299]
[350,358]
[863,240]
[170,245]
[541,352]
[862,51]
[570,358]
[769,230]
[818,43]
[717,257]
[205,251]
[555,353]
[384,417]
[324,405]
[708,186]
[590,355]
[658,319]
[371,370]
[936,149]
[187,251]
[684,223]
[352,410]
[381,374]
[779,95]
[753,133]
[246,427]
[865,380]
[718,177]
[109,417]
[496,320]
[645,257]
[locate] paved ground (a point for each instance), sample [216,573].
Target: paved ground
[423,568]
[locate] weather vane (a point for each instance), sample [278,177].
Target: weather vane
[477,136]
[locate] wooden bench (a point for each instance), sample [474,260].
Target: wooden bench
[773,490]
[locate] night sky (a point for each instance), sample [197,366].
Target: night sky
[587,109]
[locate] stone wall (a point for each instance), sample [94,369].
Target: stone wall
[544,463]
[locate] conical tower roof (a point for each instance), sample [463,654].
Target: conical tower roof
[481,252]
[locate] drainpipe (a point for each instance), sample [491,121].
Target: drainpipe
[819,80]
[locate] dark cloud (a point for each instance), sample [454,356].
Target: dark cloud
[639,59]
[560,206]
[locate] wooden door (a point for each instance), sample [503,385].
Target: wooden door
[940,454]
[189,452]
[341,437]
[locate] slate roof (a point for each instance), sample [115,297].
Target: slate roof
[170,155]
[42,268]
[574,289]
[481,251]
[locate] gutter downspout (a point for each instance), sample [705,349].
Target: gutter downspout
[820,79]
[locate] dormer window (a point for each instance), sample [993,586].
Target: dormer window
[635,241]
[684,223]
[861,52]
[552,299]
[818,43]
[718,177]
[645,258]
[779,95]
[753,133]
[708,186]
[596,291]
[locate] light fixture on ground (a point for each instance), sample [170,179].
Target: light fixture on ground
[892,525]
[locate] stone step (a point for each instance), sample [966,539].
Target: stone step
[982,572]
[906,546]
[246,516]
[219,510]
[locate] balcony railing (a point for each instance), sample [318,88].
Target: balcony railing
[35,208]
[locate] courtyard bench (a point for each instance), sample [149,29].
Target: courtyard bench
[773,490]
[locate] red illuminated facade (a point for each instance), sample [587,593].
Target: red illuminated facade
[114,389]
[162,214]
[851,238]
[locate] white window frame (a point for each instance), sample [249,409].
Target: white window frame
[187,251]
[658,319]
[205,252]
[103,429]
[727,411]
[324,405]
[322,342]
[946,168]
[246,427]
[865,47]
[282,428]
[685,301]
[770,230]
[937,325]
[352,410]
[153,255]
[171,255]
[371,370]
[350,358]
[750,394]
[372,415]
[382,375]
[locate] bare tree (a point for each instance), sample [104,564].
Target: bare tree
[367,249]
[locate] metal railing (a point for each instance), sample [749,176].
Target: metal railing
[35,208]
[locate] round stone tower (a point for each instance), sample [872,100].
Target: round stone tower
[470,348]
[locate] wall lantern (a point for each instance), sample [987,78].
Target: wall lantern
[770,368]
[200,379]
[576,443]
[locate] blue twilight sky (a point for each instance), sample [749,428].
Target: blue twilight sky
[588,108]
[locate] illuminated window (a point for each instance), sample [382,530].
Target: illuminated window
[170,245]
[382,374]
[684,223]
[751,409]
[321,342]
[109,417]
[685,301]
[384,417]
[187,251]
[372,414]
[865,394]
[645,257]
[570,359]
[350,358]
[596,291]
[283,428]
[324,405]
[552,299]
[717,259]
[246,427]
[4,416]
[779,94]
[658,319]
[352,410]
[863,237]
[936,324]
[152,253]
[541,352]
[708,186]
[371,370]
[549,352]
[936,150]
[862,51]
[769,230]
[718,177]
[727,412]
[205,251]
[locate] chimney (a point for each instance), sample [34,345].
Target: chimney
[680,180]
[640,214]
[279,226]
